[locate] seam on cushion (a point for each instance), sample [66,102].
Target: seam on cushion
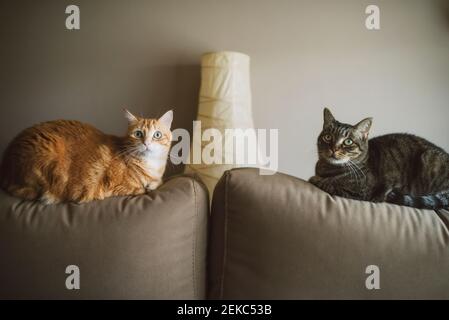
[225,235]
[444,221]
[194,230]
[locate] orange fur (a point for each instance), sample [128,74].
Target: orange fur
[64,160]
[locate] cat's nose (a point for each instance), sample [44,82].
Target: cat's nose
[334,153]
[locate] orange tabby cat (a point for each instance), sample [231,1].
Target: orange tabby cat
[64,160]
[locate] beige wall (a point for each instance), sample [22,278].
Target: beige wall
[305,55]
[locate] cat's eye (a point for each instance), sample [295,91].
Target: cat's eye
[138,134]
[348,142]
[327,137]
[157,135]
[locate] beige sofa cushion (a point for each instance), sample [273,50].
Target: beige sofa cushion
[275,237]
[144,247]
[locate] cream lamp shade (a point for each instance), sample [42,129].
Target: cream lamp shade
[224,103]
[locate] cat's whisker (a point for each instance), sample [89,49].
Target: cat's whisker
[353,172]
[357,172]
[128,150]
[358,168]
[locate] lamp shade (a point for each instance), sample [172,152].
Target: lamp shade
[224,103]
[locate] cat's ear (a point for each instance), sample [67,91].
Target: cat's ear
[129,116]
[167,119]
[364,126]
[328,117]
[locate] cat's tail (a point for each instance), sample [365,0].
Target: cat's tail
[439,200]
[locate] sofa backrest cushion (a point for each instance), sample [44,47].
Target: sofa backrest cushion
[279,237]
[145,247]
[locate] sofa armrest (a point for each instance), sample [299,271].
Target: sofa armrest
[279,237]
[145,247]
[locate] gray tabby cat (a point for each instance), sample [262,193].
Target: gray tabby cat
[396,168]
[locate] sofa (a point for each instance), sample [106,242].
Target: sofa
[145,247]
[265,237]
[279,237]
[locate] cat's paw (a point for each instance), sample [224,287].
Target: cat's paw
[153,185]
[47,199]
[315,180]
[392,196]
[323,184]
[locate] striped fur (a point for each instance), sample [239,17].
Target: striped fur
[436,201]
[398,168]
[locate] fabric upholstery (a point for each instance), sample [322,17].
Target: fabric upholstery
[144,247]
[279,237]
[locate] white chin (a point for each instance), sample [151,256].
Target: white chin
[155,152]
[337,161]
